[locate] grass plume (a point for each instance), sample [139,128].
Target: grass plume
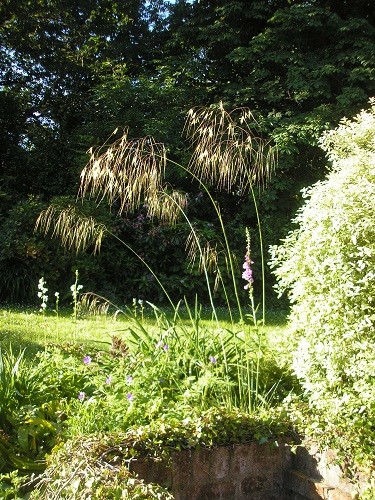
[129,174]
[75,230]
[227,153]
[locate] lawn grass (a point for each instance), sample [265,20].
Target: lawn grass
[27,327]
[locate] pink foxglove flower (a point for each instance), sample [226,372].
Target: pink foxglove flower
[248,272]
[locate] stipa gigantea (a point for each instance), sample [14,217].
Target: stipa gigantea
[75,230]
[129,173]
[226,151]
[208,256]
[167,205]
[207,253]
[228,154]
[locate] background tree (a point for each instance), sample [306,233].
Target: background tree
[299,66]
[56,53]
[72,72]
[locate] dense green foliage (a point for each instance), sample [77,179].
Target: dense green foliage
[171,383]
[327,267]
[71,72]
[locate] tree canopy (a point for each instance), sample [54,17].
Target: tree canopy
[71,72]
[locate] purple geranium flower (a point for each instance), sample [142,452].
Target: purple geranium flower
[213,359]
[87,360]
[108,380]
[81,396]
[129,396]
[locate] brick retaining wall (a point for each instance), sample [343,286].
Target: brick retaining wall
[229,472]
[250,472]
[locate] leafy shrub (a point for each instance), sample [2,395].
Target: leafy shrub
[327,267]
[26,255]
[162,247]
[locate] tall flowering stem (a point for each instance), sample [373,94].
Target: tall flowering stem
[75,289]
[252,373]
[43,295]
[248,276]
[262,256]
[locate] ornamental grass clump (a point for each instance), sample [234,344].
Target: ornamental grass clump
[129,174]
[180,368]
